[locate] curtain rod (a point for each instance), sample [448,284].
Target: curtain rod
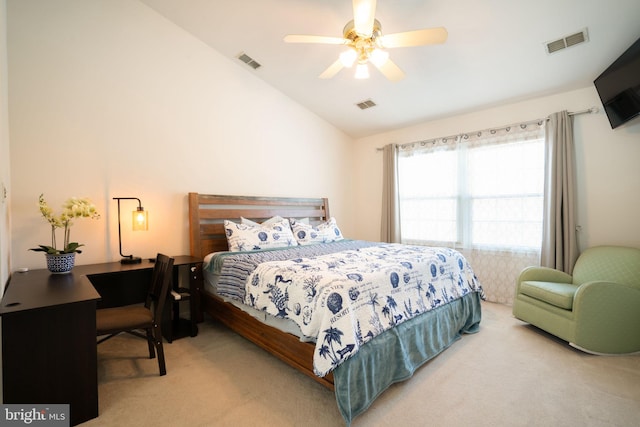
[591,110]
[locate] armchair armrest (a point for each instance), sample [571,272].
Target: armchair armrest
[607,317]
[542,274]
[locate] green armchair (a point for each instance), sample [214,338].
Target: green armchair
[596,310]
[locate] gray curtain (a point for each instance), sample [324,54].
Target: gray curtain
[559,243]
[390,231]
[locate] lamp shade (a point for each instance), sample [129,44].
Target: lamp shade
[348,57]
[140,219]
[379,57]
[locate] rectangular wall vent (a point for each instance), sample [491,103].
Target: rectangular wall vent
[576,38]
[248,60]
[568,41]
[366,104]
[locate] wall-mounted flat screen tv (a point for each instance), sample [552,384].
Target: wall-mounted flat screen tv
[619,87]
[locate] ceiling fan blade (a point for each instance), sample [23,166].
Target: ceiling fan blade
[415,38]
[364,13]
[332,70]
[301,38]
[390,70]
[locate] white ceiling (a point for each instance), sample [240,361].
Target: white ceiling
[495,52]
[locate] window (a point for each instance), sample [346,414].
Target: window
[484,191]
[428,187]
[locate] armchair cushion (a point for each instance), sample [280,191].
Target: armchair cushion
[557,294]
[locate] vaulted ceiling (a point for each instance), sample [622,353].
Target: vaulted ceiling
[495,52]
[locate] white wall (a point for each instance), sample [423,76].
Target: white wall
[109,99]
[608,165]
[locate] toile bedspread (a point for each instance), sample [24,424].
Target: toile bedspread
[347,298]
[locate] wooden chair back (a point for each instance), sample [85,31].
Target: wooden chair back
[159,286]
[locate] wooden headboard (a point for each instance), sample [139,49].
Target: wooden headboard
[207,213]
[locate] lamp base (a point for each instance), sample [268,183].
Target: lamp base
[131,260]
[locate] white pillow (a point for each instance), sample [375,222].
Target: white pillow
[243,237]
[307,234]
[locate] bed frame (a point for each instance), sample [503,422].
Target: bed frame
[206,230]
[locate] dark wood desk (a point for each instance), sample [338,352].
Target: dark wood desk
[49,330]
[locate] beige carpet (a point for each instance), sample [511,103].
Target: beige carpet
[508,374]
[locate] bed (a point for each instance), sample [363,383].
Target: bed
[372,355]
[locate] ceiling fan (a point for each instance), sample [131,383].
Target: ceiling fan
[363,36]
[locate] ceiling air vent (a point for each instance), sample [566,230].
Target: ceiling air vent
[248,60]
[568,41]
[366,104]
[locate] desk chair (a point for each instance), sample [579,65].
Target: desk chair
[130,319]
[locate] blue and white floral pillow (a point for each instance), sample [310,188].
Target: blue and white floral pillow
[307,234]
[246,237]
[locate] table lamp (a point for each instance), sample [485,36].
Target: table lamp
[140,223]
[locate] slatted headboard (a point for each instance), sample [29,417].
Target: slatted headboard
[207,213]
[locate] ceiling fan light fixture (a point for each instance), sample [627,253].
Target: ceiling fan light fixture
[362,71]
[348,57]
[363,36]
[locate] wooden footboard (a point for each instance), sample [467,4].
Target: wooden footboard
[206,216]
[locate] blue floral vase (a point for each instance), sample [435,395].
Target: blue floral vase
[61,263]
